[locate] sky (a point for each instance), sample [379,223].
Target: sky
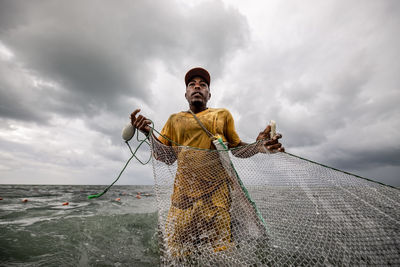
[71,72]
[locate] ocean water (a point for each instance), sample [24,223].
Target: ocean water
[96,232]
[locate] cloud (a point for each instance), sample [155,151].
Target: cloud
[98,53]
[72,72]
[326,73]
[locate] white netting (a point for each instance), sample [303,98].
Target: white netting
[313,215]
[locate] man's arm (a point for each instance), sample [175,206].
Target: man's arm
[272,145]
[142,124]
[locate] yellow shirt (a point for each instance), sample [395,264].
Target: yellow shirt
[183,128]
[199,172]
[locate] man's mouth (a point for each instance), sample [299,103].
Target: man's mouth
[197,93]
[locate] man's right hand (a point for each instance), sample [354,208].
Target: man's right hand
[272,144]
[141,122]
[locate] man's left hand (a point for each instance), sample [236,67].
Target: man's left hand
[272,144]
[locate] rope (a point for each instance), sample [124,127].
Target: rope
[202,125]
[244,189]
[141,142]
[355,175]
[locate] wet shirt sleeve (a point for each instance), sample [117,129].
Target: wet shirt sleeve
[230,132]
[167,132]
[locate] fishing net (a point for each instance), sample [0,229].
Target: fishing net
[243,208]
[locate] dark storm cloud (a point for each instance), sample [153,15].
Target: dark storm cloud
[366,158]
[98,53]
[18,100]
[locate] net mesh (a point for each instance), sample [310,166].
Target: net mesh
[244,208]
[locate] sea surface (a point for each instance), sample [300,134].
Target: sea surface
[117,229]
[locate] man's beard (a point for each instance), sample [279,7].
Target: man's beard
[197,103]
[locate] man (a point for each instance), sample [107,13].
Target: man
[201,196]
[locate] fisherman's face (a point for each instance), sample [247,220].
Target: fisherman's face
[197,92]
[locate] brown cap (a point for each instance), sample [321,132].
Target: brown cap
[197,72]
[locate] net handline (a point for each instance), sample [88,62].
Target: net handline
[290,154]
[152,129]
[332,168]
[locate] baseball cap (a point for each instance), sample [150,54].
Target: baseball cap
[197,72]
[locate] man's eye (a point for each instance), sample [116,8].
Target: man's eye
[191,84]
[203,84]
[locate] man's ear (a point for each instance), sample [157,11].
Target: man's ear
[186,95]
[209,95]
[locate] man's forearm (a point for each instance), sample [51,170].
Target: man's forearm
[244,151]
[160,153]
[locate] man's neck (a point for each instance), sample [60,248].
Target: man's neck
[197,109]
